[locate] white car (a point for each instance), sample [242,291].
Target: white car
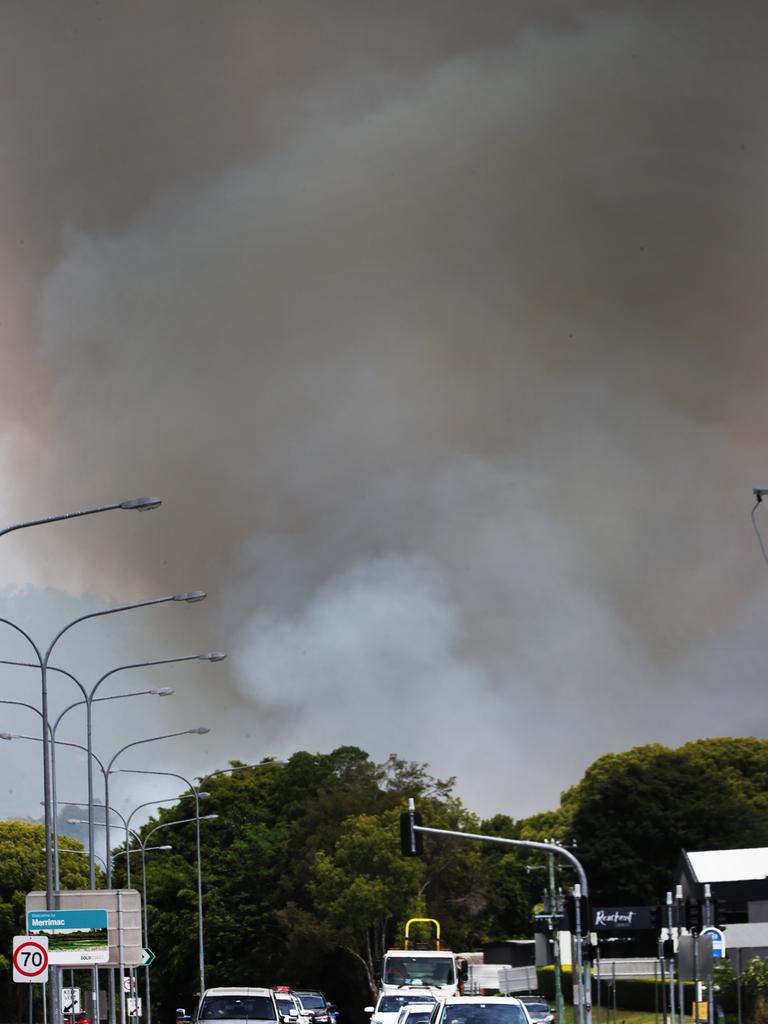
[287,1005]
[237,1004]
[480,1010]
[388,1006]
[415,1013]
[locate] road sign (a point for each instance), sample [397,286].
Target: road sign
[718,942]
[70,1000]
[148,957]
[124,922]
[75,936]
[133,1006]
[30,958]
[129,985]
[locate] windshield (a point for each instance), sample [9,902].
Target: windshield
[237,1008]
[391,1004]
[409,970]
[484,1013]
[285,1005]
[312,1002]
[536,1007]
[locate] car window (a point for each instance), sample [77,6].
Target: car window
[484,1013]
[312,1002]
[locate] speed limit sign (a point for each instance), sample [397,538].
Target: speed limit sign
[30,958]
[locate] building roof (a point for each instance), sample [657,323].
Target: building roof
[728,865]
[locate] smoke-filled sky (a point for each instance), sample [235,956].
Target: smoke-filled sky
[439,328]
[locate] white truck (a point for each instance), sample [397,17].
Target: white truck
[437,971]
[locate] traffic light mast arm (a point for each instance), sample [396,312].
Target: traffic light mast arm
[529,843]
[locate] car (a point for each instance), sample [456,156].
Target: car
[538,1009]
[236,1004]
[287,1004]
[480,1010]
[388,1006]
[313,1008]
[415,1013]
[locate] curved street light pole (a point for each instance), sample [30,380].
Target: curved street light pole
[140,504]
[196,792]
[43,661]
[163,691]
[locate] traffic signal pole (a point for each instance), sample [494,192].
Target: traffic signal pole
[410,823]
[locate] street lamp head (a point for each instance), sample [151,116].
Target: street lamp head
[76,821]
[209,817]
[164,691]
[213,656]
[190,596]
[201,730]
[203,795]
[162,847]
[142,504]
[6,735]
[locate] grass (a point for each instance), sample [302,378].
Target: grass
[622,1016]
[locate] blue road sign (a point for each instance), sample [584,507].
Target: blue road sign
[718,942]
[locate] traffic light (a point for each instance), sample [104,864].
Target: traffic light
[692,916]
[411,841]
[656,918]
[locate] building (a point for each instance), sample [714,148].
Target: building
[738,881]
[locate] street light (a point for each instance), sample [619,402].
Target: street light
[82,853]
[142,504]
[43,660]
[197,794]
[143,847]
[163,691]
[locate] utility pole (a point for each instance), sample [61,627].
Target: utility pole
[679,912]
[554,909]
[671,940]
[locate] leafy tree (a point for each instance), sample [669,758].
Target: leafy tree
[364,886]
[633,812]
[21,845]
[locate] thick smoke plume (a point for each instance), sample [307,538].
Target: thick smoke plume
[442,339]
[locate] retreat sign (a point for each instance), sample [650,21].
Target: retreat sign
[619,919]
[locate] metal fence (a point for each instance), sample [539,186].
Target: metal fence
[500,978]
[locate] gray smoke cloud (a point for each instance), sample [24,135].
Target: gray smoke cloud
[440,333]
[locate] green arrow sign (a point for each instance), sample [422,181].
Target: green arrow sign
[147,956]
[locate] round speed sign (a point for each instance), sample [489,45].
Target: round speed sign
[30,958]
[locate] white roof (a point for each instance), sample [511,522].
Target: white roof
[729,865]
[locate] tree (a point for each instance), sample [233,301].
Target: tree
[364,887]
[21,846]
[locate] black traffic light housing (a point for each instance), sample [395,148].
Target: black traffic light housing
[411,841]
[692,916]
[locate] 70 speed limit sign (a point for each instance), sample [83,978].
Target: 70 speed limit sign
[30,958]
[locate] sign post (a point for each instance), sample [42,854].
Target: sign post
[30,959]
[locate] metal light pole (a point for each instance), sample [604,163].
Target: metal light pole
[199,731]
[196,793]
[106,771]
[43,662]
[163,691]
[140,504]
[143,847]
